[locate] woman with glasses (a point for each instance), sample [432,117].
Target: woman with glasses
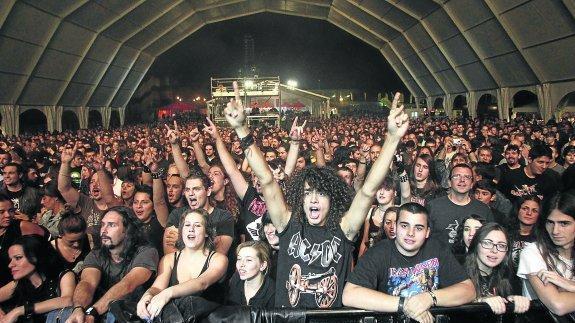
[488,267]
[547,267]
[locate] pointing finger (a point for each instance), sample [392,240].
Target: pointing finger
[236,91]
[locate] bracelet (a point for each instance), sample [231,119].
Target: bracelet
[156,175]
[433,298]
[29,310]
[400,305]
[246,141]
[294,142]
[404,178]
[362,162]
[146,169]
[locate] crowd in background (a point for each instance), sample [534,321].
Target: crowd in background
[427,212]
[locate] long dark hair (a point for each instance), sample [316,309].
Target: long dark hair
[41,254]
[513,223]
[499,280]
[324,180]
[459,247]
[132,228]
[230,196]
[565,203]
[431,182]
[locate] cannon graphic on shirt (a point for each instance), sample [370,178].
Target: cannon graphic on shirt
[323,286]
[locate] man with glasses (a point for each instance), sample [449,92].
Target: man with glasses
[408,274]
[446,212]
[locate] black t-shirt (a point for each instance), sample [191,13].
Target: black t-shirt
[516,183]
[384,269]
[15,197]
[264,297]
[154,234]
[313,264]
[251,213]
[445,216]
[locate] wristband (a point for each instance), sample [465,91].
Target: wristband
[433,297]
[246,141]
[92,312]
[156,175]
[146,169]
[28,310]
[400,305]
[403,178]
[362,162]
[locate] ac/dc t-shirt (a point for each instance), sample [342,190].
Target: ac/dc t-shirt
[252,212]
[384,269]
[313,263]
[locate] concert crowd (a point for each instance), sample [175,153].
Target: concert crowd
[171,220]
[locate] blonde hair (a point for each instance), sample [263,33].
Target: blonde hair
[262,251]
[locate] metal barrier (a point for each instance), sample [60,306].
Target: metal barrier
[475,312]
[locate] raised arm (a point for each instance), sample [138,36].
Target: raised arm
[361,168]
[199,151]
[160,205]
[238,181]
[69,193]
[397,124]
[318,147]
[275,202]
[404,187]
[173,137]
[295,139]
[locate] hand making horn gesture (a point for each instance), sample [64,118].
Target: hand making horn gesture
[234,110]
[211,129]
[296,132]
[398,121]
[173,134]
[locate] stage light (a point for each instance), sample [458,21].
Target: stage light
[249,84]
[292,83]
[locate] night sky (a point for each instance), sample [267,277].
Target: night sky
[303,49]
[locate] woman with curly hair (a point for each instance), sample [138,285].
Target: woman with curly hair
[318,219]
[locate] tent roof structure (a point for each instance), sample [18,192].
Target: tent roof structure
[77,53]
